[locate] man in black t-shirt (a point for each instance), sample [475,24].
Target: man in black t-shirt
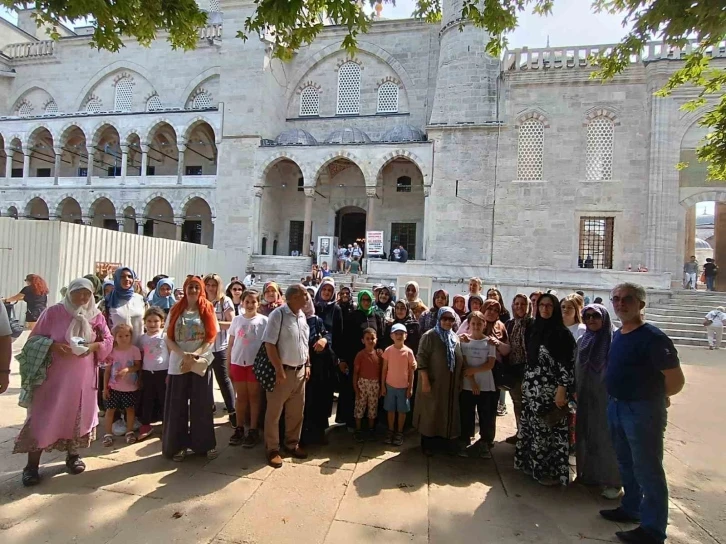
[643,372]
[710,270]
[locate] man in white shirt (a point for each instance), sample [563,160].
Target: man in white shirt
[286,341]
[714,327]
[6,349]
[249,280]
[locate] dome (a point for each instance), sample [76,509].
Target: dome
[404,133]
[348,135]
[702,244]
[704,219]
[295,136]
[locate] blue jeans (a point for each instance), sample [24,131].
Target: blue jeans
[709,282]
[636,429]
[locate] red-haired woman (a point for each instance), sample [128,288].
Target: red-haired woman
[190,332]
[35,296]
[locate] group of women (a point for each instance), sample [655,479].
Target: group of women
[549,354]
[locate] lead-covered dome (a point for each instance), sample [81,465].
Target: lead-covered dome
[404,133]
[348,135]
[296,136]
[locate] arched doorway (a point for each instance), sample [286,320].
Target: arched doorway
[198,227]
[103,214]
[159,216]
[350,225]
[69,211]
[37,209]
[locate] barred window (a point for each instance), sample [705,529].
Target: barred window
[202,101]
[531,150]
[124,94]
[596,242]
[25,109]
[403,184]
[93,105]
[309,102]
[213,5]
[51,107]
[349,89]
[388,98]
[600,149]
[154,103]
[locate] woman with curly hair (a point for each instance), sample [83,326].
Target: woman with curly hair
[35,296]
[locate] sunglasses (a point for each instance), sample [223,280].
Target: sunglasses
[591,316]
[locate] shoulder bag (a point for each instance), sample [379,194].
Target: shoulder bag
[262,367]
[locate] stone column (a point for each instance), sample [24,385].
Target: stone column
[140,226]
[370,215]
[256,217]
[89,169]
[180,164]
[427,212]
[144,162]
[86,220]
[308,227]
[121,220]
[10,153]
[719,244]
[179,223]
[57,164]
[690,232]
[124,162]
[26,167]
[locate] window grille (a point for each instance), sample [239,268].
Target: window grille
[25,109]
[403,184]
[202,101]
[154,103]
[51,107]
[531,150]
[596,242]
[388,98]
[309,102]
[124,94]
[349,89]
[213,5]
[404,234]
[93,105]
[600,133]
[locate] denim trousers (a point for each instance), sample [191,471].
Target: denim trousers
[637,429]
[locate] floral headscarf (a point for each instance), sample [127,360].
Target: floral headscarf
[447,337]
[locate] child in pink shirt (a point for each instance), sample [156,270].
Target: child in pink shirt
[121,382]
[399,364]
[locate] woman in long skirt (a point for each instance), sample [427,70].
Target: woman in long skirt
[188,420]
[63,413]
[596,461]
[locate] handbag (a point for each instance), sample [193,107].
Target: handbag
[555,415]
[507,376]
[263,368]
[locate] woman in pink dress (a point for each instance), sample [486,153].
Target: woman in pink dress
[63,413]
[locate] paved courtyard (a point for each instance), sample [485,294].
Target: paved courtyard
[353,493]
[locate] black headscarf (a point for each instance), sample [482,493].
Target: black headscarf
[383,306]
[552,334]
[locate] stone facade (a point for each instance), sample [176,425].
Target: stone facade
[468,159]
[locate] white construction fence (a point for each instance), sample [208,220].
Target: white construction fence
[60,252]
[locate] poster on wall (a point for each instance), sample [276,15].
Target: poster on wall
[374,243]
[327,246]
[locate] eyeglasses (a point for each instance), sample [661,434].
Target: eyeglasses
[591,316]
[237,289]
[627,299]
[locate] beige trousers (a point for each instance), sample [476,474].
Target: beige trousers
[289,395]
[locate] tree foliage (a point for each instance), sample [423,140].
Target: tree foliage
[293,23]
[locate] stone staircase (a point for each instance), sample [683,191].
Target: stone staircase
[681,316]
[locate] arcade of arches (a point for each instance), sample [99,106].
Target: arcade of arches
[340,203]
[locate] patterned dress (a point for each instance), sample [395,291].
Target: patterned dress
[543,451]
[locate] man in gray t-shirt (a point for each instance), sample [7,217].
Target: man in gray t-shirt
[690,271]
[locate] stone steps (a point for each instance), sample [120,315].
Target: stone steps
[681,317]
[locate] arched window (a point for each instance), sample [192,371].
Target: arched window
[349,89]
[530,151]
[202,101]
[154,103]
[309,102]
[274,247]
[599,165]
[124,94]
[93,105]
[51,107]
[403,184]
[388,98]
[25,109]
[264,245]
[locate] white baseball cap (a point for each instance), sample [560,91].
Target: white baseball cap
[398,328]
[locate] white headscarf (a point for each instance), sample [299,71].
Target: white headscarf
[82,315]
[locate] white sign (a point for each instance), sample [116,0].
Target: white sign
[374,242]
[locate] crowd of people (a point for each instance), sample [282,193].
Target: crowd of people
[280,360]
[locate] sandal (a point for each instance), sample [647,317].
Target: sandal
[31,476]
[179,456]
[107,440]
[130,437]
[74,464]
[212,454]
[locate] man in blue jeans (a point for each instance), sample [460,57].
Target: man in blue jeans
[643,373]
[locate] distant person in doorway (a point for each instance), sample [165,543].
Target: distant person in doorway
[690,272]
[35,296]
[710,271]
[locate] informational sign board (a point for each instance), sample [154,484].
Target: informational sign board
[374,243]
[327,249]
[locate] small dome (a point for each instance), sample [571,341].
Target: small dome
[702,244]
[348,135]
[704,219]
[295,136]
[404,133]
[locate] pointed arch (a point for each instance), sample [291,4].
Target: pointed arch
[280,156]
[96,198]
[186,132]
[185,95]
[32,133]
[100,127]
[159,195]
[118,66]
[340,154]
[188,199]
[151,131]
[381,163]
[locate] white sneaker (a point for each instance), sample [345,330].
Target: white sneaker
[612,493]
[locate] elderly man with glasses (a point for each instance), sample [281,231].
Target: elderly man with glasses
[643,372]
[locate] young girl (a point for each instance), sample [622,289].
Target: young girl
[245,339]
[121,381]
[478,390]
[367,384]
[155,357]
